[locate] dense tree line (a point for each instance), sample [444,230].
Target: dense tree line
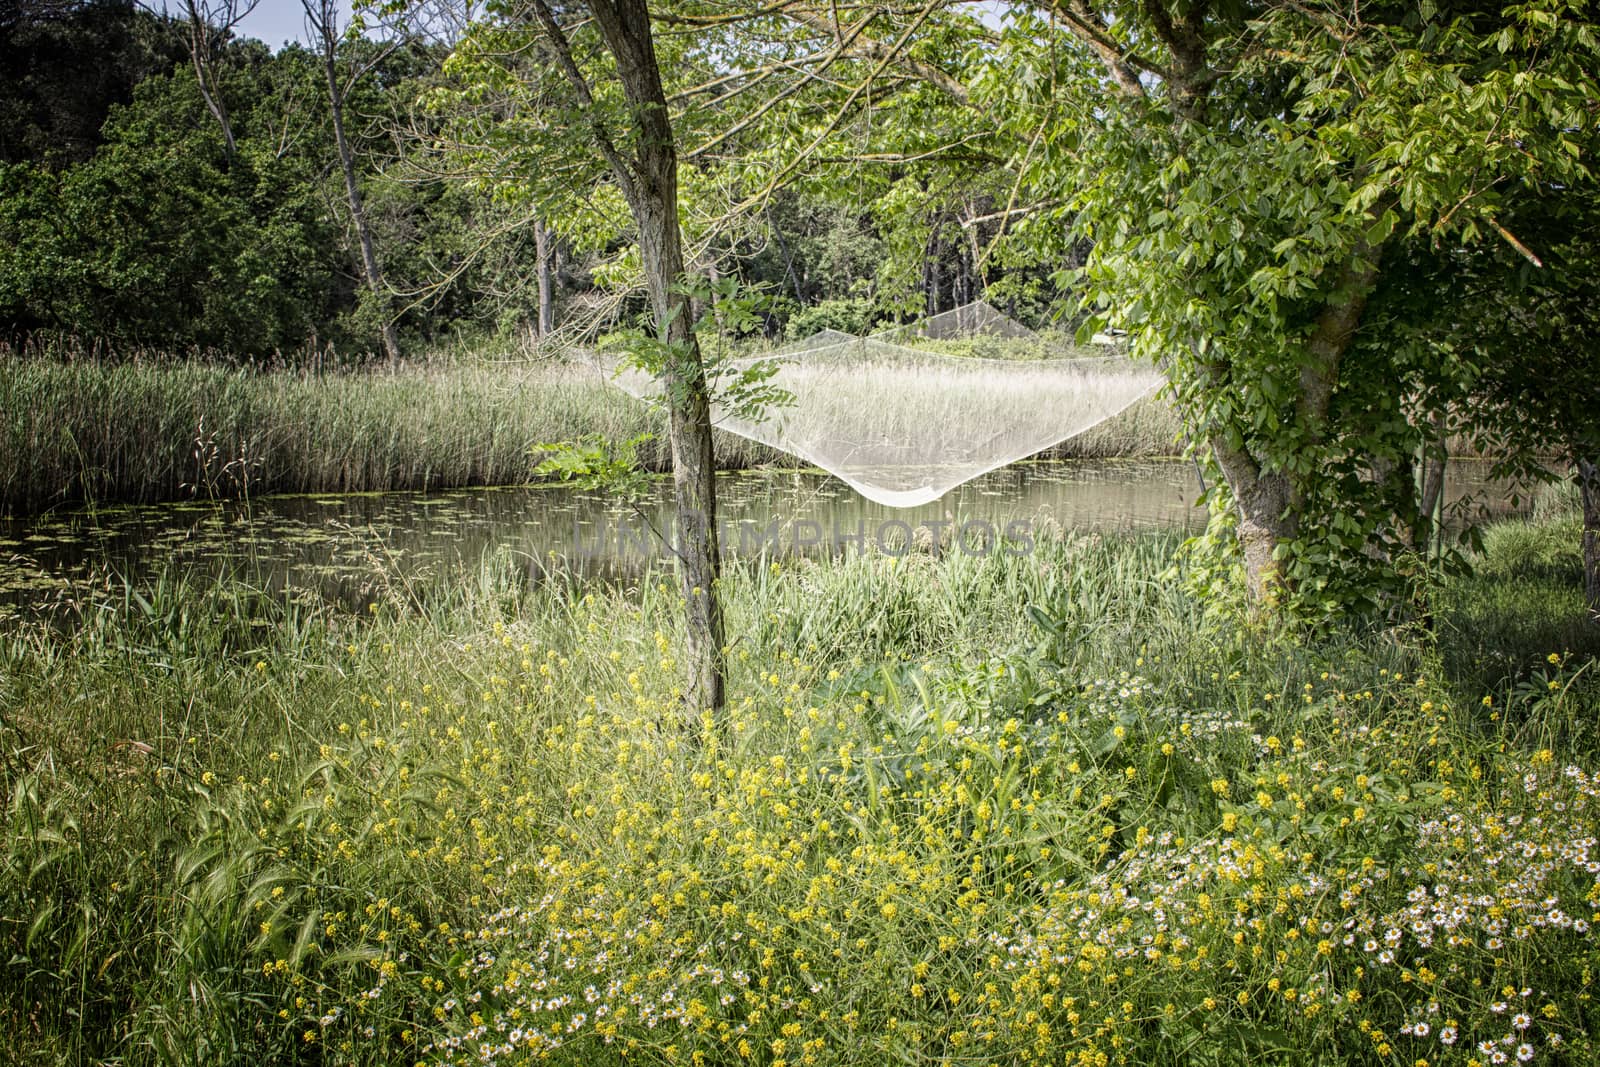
[139,205]
[125,216]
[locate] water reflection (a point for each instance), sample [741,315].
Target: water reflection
[347,547]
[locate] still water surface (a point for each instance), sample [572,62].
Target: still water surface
[345,547]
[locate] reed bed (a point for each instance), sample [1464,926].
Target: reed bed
[146,429]
[149,428]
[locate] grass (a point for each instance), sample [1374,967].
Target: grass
[997,809]
[1525,598]
[79,427]
[148,429]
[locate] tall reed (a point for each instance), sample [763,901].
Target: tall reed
[75,427]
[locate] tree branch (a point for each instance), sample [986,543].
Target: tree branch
[1123,66]
[869,48]
[561,50]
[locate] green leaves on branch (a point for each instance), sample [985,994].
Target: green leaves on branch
[739,387]
[594,463]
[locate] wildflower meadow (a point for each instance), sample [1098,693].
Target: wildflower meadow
[961,810]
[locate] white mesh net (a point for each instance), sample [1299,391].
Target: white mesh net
[820,339]
[977,319]
[904,426]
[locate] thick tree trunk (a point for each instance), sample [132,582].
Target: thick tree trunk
[1270,503]
[1589,489]
[1267,518]
[358,211]
[651,186]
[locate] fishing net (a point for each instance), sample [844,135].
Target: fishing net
[903,426]
[977,319]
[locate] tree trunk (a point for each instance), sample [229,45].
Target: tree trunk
[1589,489]
[358,211]
[714,276]
[652,193]
[541,251]
[1271,503]
[1430,514]
[1267,518]
[788,260]
[980,284]
[200,54]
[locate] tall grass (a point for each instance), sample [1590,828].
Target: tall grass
[244,828]
[146,429]
[1525,598]
[76,427]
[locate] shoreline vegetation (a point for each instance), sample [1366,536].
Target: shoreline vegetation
[76,428]
[1024,807]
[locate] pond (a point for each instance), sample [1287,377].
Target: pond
[346,547]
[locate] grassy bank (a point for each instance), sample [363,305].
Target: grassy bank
[148,429]
[995,810]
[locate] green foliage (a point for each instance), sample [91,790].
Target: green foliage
[855,315]
[739,385]
[154,234]
[162,239]
[1241,211]
[319,839]
[64,65]
[595,464]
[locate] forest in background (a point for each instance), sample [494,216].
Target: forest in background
[132,216]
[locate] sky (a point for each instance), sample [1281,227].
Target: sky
[275,22]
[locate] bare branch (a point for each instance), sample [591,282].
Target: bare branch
[869,48]
[561,52]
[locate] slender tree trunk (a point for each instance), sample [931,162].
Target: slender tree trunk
[1589,489]
[980,284]
[541,251]
[211,93]
[1431,499]
[650,183]
[714,276]
[788,260]
[358,211]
